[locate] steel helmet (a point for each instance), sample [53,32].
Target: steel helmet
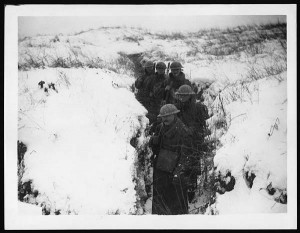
[161,65]
[148,64]
[185,90]
[168,109]
[176,65]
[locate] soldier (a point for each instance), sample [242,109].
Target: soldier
[143,95]
[156,90]
[170,145]
[175,80]
[194,116]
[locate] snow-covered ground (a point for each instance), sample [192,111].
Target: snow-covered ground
[255,143]
[77,138]
[79,157]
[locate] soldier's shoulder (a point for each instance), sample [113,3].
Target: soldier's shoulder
[180,77]
[200,107]
[198,104]
[188,82]
[202,110]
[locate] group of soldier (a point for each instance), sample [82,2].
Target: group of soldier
[178,128]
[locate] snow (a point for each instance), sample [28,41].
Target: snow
[28,209]
[71,136]
[257,201]
[248,147]
[79,156]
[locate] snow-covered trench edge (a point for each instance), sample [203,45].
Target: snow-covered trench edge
[249,126]
[71,136]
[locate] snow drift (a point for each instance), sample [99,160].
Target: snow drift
[78,153]
[255,145]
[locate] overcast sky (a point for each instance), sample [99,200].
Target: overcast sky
[153,17]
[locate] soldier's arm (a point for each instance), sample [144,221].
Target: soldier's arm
[155,140]
[157,134]
[188,82]
[202,113]
[158,90]
[167,88]
[139,82]
[168,85]
[149,84]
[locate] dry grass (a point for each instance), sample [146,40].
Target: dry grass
[135,39]
[231,41]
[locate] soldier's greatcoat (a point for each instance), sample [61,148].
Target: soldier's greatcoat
[194,116]
[143,94]
[156,87]
[169,194]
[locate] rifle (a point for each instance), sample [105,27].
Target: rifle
[168,68]
[167,92]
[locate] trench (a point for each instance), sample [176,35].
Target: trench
[206,188]
[204,194]
[143,164]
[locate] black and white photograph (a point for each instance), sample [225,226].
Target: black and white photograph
[170,116]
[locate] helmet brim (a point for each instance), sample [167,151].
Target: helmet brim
[176,93]
[168,114]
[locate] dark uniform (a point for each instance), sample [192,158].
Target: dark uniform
[156,87]
[169,191]
[175,82]
[194,116]
[143,94]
